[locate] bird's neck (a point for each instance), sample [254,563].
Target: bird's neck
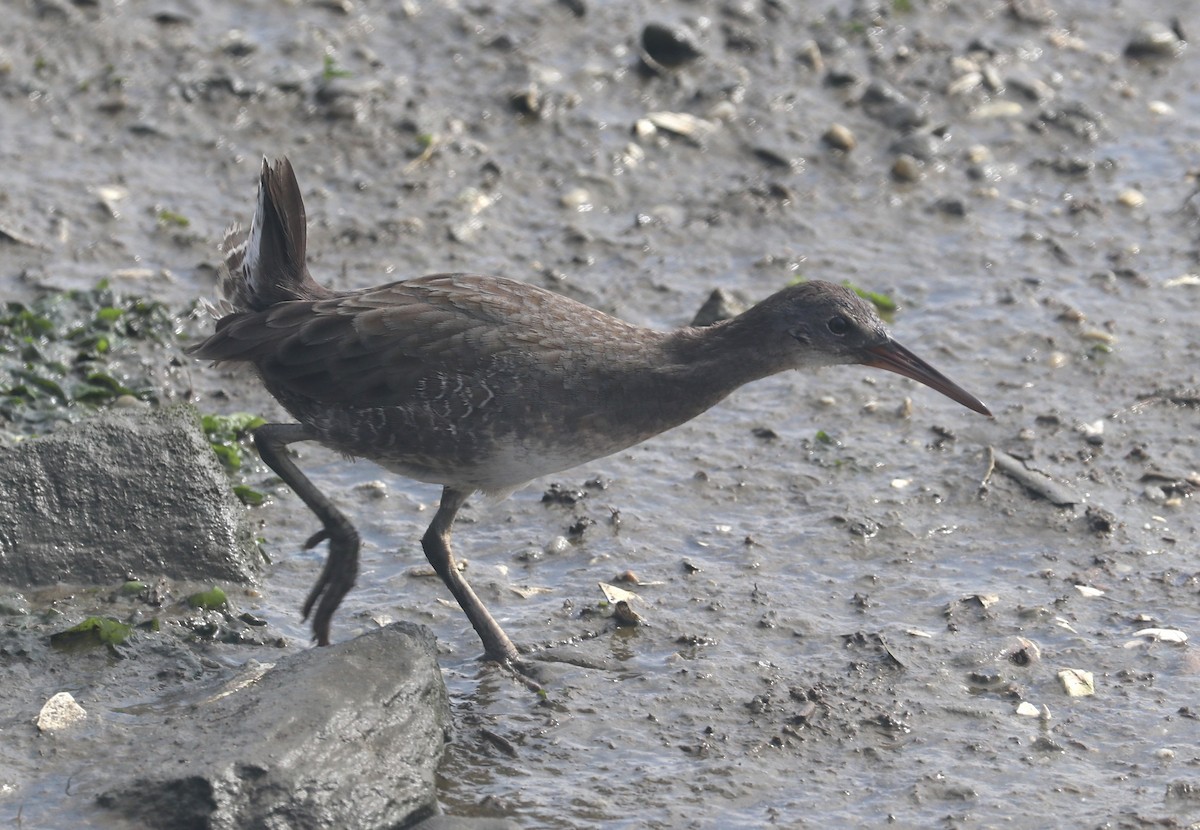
[728,354]
[695,368]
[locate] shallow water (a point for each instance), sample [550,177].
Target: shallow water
[805,674]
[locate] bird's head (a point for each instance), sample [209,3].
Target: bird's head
[821,324]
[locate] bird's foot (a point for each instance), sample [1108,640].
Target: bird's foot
[540,671]
[336,579]
[529,674]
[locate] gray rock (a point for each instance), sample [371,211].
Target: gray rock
[345,736]
[127,492]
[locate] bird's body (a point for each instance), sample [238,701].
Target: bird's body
[484,383]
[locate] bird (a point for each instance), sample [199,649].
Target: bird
[482,383]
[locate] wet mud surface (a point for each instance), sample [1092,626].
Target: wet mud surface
[845,602]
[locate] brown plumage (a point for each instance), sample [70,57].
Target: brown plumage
[483,383]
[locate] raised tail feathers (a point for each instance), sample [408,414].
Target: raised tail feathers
[262,267]
[266,265]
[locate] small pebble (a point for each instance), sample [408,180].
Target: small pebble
[237,44]
[1154,40]
[906,169]
[950,206]
[724,111]
[1033,88]
[577,198]
[978,154]
[965,83]
[1092,430]
[670,46]
[526,101]
[557,545]
[997,109]
[810,56]
[375,489]
[923,146]
[992,79]
[1131,198]
[839,137]
[885,103]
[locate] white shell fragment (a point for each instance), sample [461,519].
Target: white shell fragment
[1061,623]
[1089,591]
[997,109]
[679,123]
[1027,710]
[964,83]
[60,712]
[1077,682]
[112,192]
[527,591]
[614,594]
[1185,279]
[1162,635]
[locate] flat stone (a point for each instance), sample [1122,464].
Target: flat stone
[345,736]
[128,492]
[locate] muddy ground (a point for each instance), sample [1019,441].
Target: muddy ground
[845,607]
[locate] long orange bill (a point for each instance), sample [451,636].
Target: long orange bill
[895,358]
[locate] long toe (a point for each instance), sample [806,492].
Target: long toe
[336,579]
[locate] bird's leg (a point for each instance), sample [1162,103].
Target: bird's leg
[341,565]
[436,543]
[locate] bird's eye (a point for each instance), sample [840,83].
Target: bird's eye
[838,325]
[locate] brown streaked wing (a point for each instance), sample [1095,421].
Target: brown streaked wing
[365,348]
[374,347]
